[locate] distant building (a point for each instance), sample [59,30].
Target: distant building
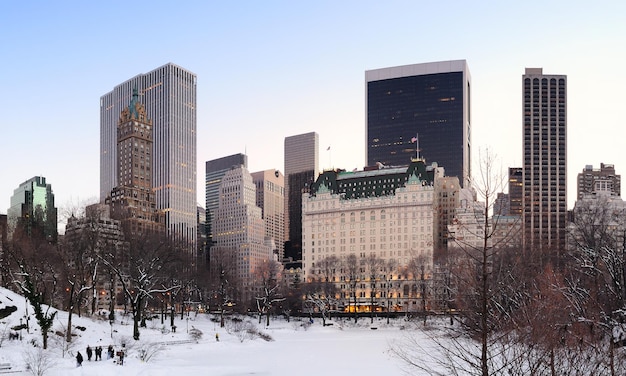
[109,240]
[502,204]
[545,160]
[32,210]
[598,223]
[169,96]
[604,179]
[467,230]
[214,173]
[240,229]
[301,169]
[270,197]
[516,190]
[384,214]
[202,238]
[430,102]
[446,201]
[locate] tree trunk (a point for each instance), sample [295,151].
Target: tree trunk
[70,309]
[136,307]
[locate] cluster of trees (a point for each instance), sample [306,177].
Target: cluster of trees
[536,311]
[101,265]
[94,267]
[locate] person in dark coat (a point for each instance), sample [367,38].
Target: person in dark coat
[79,359]
[98,353]
[110,352]
[89,352]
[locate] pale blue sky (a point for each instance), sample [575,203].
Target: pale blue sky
[271,69]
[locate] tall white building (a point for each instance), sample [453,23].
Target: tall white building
[239,227]
[169,96]
[544,200]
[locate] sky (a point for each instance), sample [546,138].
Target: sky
[272,69]
[333,350]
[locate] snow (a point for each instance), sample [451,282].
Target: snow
[296,348]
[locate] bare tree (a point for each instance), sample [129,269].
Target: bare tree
[374,266]
[270,293]
[223,281]
[350,269]
[146,270]
[34,273]
[481,274]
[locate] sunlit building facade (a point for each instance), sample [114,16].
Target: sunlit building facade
[239,228]
[270,197]
[384,220]
[215,170]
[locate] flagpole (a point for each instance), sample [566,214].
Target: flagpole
[330,166]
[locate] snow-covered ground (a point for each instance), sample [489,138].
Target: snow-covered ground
[295,349]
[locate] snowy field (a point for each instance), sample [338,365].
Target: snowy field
[295,349]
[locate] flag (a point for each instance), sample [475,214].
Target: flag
[414,139]
[328,148]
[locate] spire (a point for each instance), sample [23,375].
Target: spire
[132,107]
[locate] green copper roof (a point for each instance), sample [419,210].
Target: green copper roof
[132,107]
[372,183]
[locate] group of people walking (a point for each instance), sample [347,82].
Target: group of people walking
[98,354]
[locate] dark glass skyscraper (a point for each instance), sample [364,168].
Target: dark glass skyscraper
[32,208]
[430,102]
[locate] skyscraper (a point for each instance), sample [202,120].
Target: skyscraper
[430,102]
[169,96]
[132,200]
[301,168]
[516,190]
[270,197]
[545,160]
[32,209]
[214,172]
[240,229]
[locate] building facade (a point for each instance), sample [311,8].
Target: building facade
[32,210]
[446,201]
[378,227]
[240,229]
[516,190]
[99,229]
[169,96]
[604,179]
[430,102]
[545,160]
[301,169]
[270,197]
[133,200]
[214,173]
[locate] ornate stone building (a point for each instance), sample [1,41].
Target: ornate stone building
[377,226]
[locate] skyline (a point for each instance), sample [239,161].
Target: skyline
[272,70]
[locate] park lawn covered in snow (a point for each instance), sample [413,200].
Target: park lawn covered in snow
[295,349]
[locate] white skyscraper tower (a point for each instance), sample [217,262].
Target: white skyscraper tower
[239,227]
[169,96]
